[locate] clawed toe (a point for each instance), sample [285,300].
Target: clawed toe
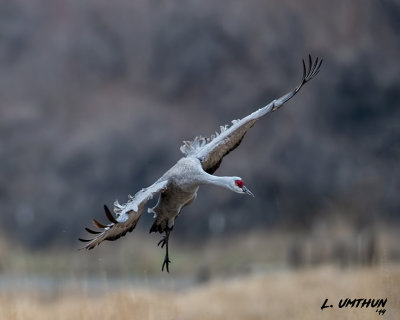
[166,264]
[164,243]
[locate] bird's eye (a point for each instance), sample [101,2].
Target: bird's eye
[239,183]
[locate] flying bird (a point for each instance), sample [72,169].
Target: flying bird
[178,186]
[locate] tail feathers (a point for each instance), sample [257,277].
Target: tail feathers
[157,227]
[160,226]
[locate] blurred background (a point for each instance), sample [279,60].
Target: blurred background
[95,99]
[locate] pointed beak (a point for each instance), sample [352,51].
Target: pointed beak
[245,190]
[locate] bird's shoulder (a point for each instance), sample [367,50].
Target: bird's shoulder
[183,174]
[184,165]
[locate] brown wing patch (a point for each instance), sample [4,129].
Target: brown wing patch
[216,166]
[214,160]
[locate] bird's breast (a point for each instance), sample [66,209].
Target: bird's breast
[171,202]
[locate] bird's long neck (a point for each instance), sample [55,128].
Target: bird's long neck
[216,180]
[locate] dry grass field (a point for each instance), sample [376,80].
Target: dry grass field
[277,295]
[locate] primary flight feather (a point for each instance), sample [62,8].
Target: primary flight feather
[178,186]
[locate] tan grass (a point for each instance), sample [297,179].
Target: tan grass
[279,295]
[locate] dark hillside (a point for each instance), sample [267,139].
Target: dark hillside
[96,96]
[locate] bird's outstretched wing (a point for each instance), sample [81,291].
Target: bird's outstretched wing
[210,151]
[127,216]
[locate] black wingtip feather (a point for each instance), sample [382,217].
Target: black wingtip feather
[92,231]
[98,224]
[109,215]
[314,66]
[309,71]
[84,240]
[319,65]
[312,69]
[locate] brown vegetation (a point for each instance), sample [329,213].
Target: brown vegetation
[278,295]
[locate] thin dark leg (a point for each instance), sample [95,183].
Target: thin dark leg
[164,242]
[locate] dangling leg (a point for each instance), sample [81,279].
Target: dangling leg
[164,242]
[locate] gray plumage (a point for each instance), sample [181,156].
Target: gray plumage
[178,186]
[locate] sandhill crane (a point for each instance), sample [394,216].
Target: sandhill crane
[178,186]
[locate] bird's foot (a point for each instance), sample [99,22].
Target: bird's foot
[166,263]
[164,242]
